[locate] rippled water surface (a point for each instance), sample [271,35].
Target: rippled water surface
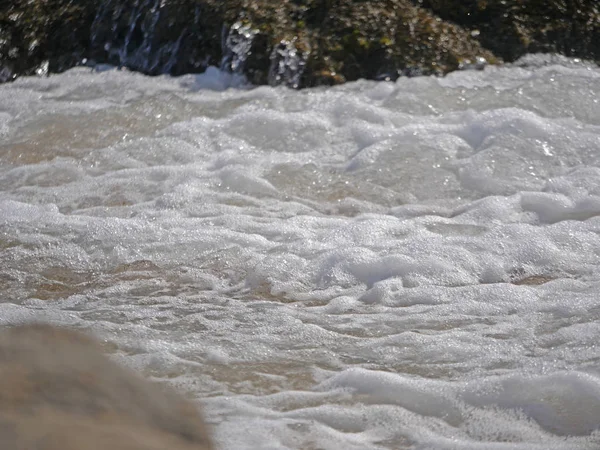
[371,266]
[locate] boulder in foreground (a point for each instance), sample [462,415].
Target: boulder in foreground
[60,392]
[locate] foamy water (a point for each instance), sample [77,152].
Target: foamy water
[371,266]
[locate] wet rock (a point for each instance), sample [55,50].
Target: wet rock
[297,43]
[52,33]
[156,36]
[313,42]
[512,28]
[238,42]
[6,73]
[287,64]
[60,392]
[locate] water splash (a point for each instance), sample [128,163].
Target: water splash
[123,50]
[42,69]
[134,35]
[236,46]
[287,65]
[6,74]
[478,64]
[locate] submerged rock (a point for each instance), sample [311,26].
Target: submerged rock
[292,42]
[60,392]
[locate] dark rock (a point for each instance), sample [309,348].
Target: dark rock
[329,41]
[36,33]
[512,28]
[155,37]
[292,42]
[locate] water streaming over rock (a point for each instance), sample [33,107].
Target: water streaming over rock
[287,64]
[236,46]
[149,36]
[133,37]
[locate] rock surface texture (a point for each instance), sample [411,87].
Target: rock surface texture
[298,43]
[60,392]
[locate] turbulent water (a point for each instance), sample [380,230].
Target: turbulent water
[371,266]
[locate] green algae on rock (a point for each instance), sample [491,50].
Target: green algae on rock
[297,43]
[512,28]
[43,36]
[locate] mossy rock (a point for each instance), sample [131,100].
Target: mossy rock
[352,39]
[511,28]
[36,32]
[293,42]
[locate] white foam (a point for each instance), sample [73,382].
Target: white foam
[373,265]
[214,79]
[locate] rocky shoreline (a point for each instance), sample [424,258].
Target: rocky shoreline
[298,43]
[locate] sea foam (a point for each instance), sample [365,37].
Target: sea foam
[373,265]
